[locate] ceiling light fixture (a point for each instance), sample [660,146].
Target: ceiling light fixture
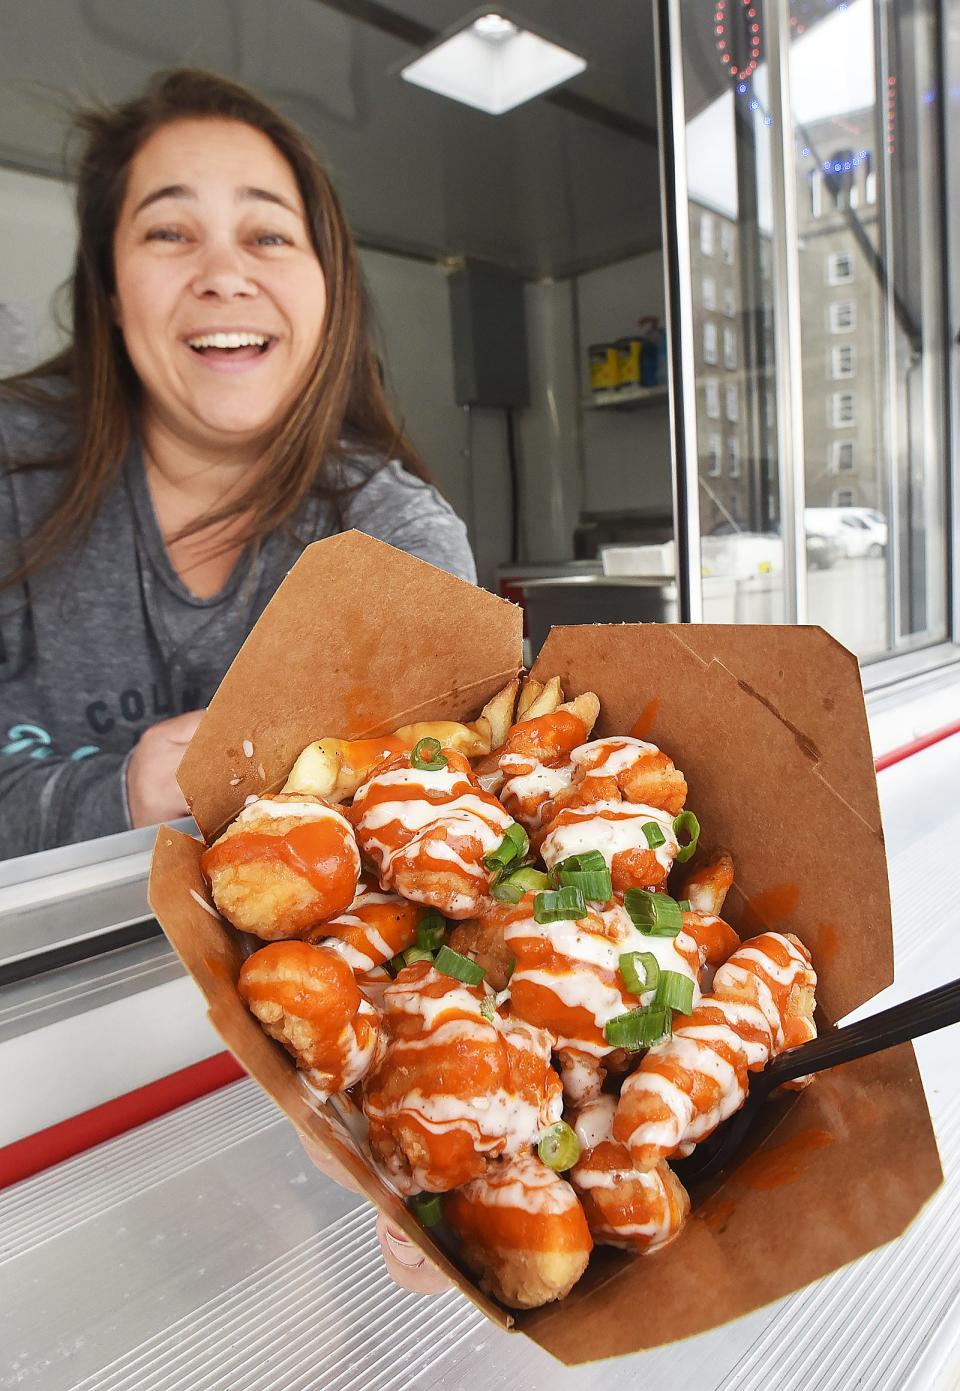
[492,63]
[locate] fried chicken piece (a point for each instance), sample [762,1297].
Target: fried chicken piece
[455,1087]
[427,831]
[285,864]
[639,1210]
[567,979]
[523,1232]
[482,939]
[639,770]
[375,928]
[307,999]
[762,1003]
[617,830]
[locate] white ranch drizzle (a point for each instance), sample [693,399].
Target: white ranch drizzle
[610,827]
[205,905]
[617,753]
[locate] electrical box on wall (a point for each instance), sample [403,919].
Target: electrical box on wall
[488,318]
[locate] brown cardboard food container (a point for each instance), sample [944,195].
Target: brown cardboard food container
[769,727]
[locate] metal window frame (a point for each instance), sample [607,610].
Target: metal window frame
[883,671]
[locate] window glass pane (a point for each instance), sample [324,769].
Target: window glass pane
[729,182]
[864,96]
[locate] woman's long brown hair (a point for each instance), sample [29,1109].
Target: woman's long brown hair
[341,406]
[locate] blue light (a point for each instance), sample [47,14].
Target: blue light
[847,166]
[842,7]
[855,161]
[768,120]
[864,154]
[826,166]
[805,152]
[741,87]
[837,166]
[754,104]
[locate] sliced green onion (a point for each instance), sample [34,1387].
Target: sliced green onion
[427,757]
[559,1147]
[488,1006]
[632,964]
[514,846]
[413,954]
[513,967]
[686,824]
[431,930]
[450,963]
[428,1208]
[396,964]
[641,1028]
[559,905]
[587,862]
[685,905]
[674,991]
[588,873]
[656,915]
[520,882]
[653,834]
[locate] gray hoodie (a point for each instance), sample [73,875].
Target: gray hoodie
[108,641]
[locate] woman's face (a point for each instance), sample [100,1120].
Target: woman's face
[219,293]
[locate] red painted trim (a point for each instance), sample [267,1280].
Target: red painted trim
[897,755]
[36,1152]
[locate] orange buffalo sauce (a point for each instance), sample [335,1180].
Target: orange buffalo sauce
[489,1214]
[319,851]
[713,936]
[306,982]
[359,755]
[549,736]
[645,720]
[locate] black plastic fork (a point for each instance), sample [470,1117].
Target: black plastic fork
[922,1015]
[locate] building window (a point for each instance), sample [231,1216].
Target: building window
[843,361]
[733,457]
[842,410]
[729,348]
[709,292]
[839,268]
[842,315]
[714,461]
[816,193]
[843,497]
[710,343]
[841,452]
[729,302]
[727,243]
[706,234]
[711,398]
[732,399]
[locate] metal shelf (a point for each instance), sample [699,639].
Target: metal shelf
[626,398]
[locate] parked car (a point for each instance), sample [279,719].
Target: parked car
[745,553]
[858,531]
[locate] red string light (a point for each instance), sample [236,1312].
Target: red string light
[754,34]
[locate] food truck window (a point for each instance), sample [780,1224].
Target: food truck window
[813,136]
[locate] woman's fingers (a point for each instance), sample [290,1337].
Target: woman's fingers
[405,1264]
[326,1163]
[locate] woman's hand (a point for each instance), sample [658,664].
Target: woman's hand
[404,1262]
[152,791]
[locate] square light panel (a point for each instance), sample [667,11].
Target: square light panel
[493,64]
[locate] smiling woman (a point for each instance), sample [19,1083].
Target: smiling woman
[219,408]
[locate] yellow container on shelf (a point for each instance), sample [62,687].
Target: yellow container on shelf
[604,366]
[628,361]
